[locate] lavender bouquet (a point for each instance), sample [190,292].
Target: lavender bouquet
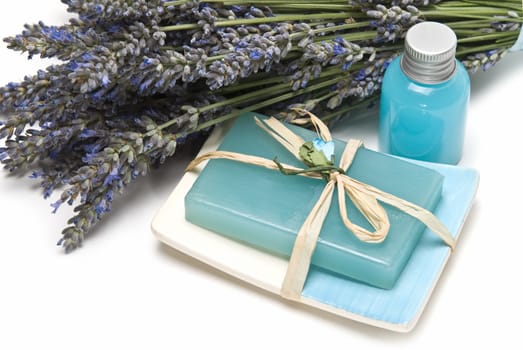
[138,78]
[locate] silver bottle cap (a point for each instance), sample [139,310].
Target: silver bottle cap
[429,55]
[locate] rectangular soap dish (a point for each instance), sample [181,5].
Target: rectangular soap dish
[397,309]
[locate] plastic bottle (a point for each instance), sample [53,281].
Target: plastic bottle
[425,96]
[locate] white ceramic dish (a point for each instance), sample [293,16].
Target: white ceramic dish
[397,309]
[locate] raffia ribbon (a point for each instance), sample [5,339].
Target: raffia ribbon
[364,197]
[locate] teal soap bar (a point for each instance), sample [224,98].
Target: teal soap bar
[265,209]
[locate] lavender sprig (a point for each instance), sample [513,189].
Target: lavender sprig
[109,11]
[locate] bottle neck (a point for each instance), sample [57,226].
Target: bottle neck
[428,72]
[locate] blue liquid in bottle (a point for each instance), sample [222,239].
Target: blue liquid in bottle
[424,98]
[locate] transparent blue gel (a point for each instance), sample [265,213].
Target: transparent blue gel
[423,121]
[265,209]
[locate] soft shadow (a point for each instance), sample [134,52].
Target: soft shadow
[484,82]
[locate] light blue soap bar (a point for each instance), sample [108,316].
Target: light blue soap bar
[266,209]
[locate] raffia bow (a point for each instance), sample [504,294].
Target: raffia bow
[364,197]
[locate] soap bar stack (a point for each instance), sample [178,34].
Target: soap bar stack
[265,209]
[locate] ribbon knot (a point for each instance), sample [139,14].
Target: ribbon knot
[366,198]
[334,175]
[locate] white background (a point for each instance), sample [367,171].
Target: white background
[125,289]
